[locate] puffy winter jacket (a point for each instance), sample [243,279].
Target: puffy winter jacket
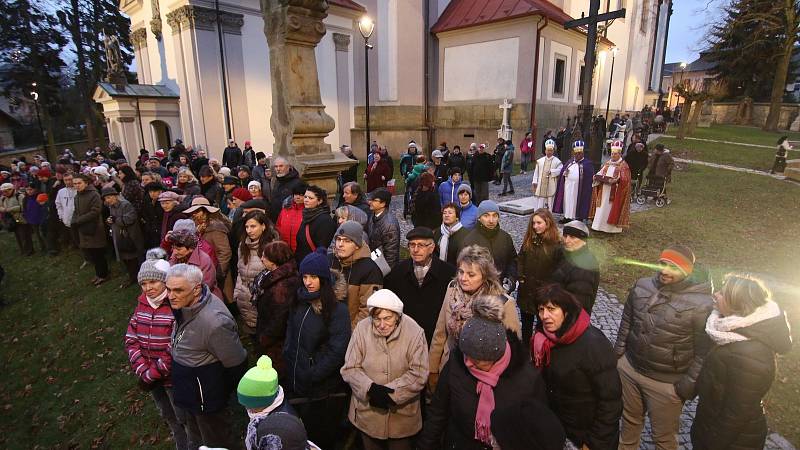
[448,192]
[363,278]
[732,384]
[247,270]
[579,273]
[289,223]
[384,233]
[147,341]
[662,332]
[584,390]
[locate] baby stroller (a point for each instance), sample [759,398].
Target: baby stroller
[655,189]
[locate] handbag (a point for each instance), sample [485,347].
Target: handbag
[125,244]
[380,260]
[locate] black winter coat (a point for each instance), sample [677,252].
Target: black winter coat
[278,292]
[422,303]
[384,232]
[584,390]
[500,245]
[535,268]
[579,273]
[425,210]
[454,245]
[232,157]
[314,351]
[213,192]
[662,331]
[734,380]
[457,160]
[321,230]
[280,189]
[482,168]
[452,411]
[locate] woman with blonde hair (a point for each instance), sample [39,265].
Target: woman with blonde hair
[187,182]
[476,276]
[539,256]
[749,329]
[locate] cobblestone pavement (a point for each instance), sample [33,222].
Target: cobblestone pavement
[606,315]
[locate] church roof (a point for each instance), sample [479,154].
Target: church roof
[468,13]
[349,4]
[138,90]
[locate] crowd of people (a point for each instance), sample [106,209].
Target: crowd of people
[468,342]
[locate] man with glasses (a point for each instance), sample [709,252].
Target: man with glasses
[421,280]
[351,257]
[208,359]
[382,226]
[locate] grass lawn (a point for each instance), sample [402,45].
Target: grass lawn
[69,385]
[733,155]
[737,133]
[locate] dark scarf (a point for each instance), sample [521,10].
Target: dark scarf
[303,294]
[309,214]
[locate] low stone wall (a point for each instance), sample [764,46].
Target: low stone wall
[725,113]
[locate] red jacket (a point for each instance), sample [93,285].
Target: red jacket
[526,146]
[147,341]
[377,175]
[289,223]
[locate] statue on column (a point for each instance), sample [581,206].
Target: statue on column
[115,72]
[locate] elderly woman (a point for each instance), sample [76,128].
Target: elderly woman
[213,227]
[185,251]
[147,341]
[126,231]
[489,395]
[476,276]
[748,328]
[579,369]
[386,366]
[187,182]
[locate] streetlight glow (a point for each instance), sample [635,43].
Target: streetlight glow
[614,50]
[366,26]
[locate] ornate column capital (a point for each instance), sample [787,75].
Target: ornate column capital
[341,41]
[139,38]
[297,22]
[198,17]
[155,24]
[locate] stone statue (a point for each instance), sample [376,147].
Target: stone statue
[113,57]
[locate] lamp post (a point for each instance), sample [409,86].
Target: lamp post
[35,96]
[611,79]
[366,26]
[677,95]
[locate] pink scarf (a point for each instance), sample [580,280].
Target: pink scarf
[485,388]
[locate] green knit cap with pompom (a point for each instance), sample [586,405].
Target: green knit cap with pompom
[259,386]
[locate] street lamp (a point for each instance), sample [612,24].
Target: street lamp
[366,26]
[683,66]
[35,96]
[614,52]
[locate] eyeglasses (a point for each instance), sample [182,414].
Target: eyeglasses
[416,245]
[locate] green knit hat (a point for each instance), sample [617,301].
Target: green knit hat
[259,386]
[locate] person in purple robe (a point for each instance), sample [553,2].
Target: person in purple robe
[574,190]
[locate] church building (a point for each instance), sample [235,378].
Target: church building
[439,70]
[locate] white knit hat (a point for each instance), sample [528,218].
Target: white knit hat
[385,299]
[254,183]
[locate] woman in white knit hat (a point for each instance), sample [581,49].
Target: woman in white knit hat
[386,366]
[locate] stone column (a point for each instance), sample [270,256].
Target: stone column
[299,122]
[139,41]
[342,43]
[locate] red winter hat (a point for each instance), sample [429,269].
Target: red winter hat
[241,194]
[246,143]
[41,198]
[44,173]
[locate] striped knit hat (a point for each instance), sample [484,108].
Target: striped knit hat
[680,257]
[153,269]
[259,386]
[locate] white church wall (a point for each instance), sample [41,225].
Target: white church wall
[481,71]
[386,29]
[257,82]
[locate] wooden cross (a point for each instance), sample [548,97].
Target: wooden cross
[586,107]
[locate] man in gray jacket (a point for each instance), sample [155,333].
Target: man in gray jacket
[661,345]
[382,226]
[208,359]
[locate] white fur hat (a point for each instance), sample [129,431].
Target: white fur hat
[385,299]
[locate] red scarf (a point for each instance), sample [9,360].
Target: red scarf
[543,341]
[485,388]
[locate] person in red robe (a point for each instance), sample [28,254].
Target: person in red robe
[611,196]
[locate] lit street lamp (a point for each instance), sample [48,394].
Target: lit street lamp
[683,66]
[35,96]
[366,26]
[611,79]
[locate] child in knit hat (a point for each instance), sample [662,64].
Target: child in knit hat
[148,337]
[260,393]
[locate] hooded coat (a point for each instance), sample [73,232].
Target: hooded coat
[88,219]
[363,277]
[732,384]
[280,189]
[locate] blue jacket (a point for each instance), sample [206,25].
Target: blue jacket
[314,352]
[507,163]
[469,216]
[448,192]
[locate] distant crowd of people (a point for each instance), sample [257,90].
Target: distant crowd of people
[253,283]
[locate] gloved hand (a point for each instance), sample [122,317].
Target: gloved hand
[379,396]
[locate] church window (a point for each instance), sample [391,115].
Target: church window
[580,80]
[559,75]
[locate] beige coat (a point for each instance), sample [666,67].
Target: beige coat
[399,362]
[442,342]
[248,270]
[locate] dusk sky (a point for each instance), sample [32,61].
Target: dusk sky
[690,19]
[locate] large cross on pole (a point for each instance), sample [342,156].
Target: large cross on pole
[585,110]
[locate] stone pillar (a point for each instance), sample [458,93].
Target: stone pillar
[139,41]
[299,123]
[342,43]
